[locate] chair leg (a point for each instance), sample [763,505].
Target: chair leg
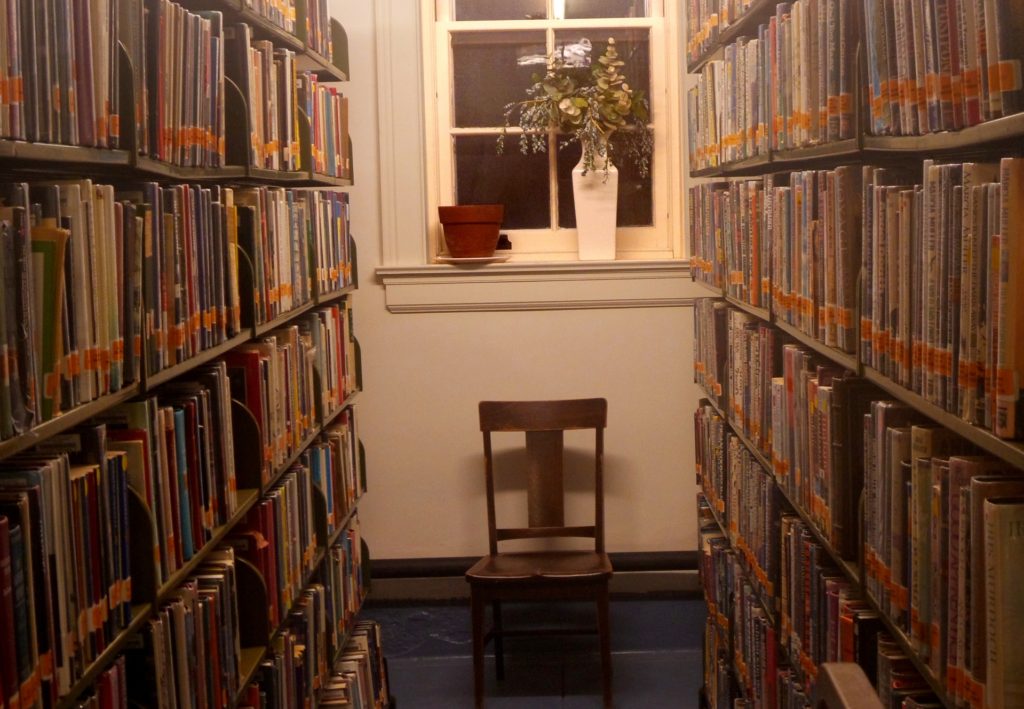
[478,648]
[499,642]
[606,650]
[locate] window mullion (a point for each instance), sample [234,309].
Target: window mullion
[552,146]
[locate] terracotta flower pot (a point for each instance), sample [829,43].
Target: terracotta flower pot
[471,230]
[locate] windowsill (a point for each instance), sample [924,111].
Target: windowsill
[538,286]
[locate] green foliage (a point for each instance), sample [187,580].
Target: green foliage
[587,105]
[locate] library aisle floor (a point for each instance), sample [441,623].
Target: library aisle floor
[656,657]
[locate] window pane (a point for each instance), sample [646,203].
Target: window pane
[518,181]
[492,69]
[580,9]
[635,204]
[500,10]
[633,46]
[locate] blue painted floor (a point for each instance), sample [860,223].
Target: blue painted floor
[656,656]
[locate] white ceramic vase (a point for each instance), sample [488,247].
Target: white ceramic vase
[596,194]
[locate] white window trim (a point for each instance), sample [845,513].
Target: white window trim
[654,241]
[407,196]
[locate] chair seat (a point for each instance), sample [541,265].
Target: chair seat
[540,566]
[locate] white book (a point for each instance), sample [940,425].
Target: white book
[1004,547]
[1010,347]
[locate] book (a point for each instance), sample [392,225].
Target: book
[9,685]
[1009,417]
[26,576]
[1003,522]
[184,92]
[927,442]
[982,489]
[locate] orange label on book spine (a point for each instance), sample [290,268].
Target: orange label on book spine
[175,336]
[1005,76]
[51,384]
[30,689]
[74,363]
[975,693]
[946,88]
[46,665]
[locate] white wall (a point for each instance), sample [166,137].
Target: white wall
[423,375]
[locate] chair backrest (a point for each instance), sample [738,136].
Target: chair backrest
[544,423]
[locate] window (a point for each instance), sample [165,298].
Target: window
[483,56]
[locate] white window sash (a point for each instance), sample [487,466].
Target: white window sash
[661,240]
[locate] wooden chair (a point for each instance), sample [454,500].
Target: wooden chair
[541,575]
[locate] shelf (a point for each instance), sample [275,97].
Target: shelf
[248,665]
[1010,451]
[235,12]
[757,13]
[330,297]
[159,169]
[307,59]
[908,650]
[712,291]
[58,157]
[204,357]
[751,578]
[343,641]
[284,318]
[760,313]
[301,448]
[320,65]
[343,525]
[848,568]
[276,177]
[64,421]
[756,165]
[318,179]
[246,499]
[758,455]
[252,656]
[714,404]
[707,172]
[1001,132]
[140,614]
[35,161]
[787,160]
[801,157]
[838,356]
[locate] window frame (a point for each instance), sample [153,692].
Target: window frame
[409,280]
[663,239]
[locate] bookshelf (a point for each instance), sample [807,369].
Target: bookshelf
[159,335]
[736,238]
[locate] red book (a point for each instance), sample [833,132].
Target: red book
[97,555]
[172,486]
[269,530]
[195,475]
[215,627]
[247,386]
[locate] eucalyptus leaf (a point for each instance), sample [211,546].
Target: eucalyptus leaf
[587,105]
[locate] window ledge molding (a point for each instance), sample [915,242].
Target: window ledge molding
[538,286]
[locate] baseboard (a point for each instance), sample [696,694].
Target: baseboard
[643,575]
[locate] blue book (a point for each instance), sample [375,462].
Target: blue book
[316,473]
[185,505]
[18,579]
